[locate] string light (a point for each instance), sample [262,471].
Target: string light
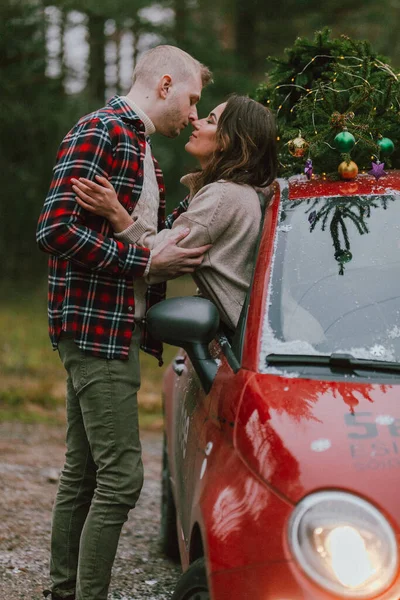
[358,77]
[280,106]
[313,114]
[330,58]
[385,67]
[353,87]
[292,85]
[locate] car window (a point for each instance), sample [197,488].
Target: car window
[335,284]
[237,340]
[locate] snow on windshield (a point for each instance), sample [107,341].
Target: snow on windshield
[335,284]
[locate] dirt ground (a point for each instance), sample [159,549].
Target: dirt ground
[30,459]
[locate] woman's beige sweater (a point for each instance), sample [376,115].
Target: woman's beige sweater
[226,215]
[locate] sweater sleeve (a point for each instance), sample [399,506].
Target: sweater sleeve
[203,217]
[137,233]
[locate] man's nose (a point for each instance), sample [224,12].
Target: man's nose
[193,116]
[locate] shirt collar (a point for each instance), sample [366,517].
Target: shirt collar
[123,110]
[148,123]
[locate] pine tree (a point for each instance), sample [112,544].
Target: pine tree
[323,87]
[34,116]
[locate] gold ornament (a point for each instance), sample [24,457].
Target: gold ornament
[339,121]
[348,170]
[298,146]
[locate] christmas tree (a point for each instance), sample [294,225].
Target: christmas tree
[337,103]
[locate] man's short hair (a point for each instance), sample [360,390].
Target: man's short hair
[163,59]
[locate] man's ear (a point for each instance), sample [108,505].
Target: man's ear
[164,86]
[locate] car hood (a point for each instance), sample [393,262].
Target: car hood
[302,435]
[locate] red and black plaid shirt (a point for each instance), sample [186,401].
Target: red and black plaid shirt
[91,273]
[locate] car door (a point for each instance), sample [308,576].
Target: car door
[190,409]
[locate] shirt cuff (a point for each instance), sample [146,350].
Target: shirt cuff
[134,232]
[147,269]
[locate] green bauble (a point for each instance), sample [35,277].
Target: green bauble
[343,256]
[386,145]
[344,141]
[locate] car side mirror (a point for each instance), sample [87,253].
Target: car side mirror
[190,323]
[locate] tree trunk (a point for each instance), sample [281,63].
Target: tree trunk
[63,27]
[118,37]
[245,27]
[97,65]
[136,38]
[180,10]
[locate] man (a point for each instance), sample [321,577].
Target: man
[97,301]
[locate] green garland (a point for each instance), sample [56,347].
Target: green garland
[326,85]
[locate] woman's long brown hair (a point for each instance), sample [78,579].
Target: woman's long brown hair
[246,141]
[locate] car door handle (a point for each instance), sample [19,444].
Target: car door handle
[179,365]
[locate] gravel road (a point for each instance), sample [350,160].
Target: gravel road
[30,459]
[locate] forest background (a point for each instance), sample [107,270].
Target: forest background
[61,59]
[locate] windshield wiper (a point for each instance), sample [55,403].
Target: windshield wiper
[336,360]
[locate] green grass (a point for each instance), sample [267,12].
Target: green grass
[32,378]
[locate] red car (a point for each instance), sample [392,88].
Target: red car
[282,439]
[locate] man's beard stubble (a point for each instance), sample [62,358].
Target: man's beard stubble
[172,121]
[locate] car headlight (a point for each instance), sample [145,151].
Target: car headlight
[344,544]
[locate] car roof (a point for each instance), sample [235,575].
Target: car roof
[363,185]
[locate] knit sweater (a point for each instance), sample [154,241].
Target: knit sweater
[226,215]
[146,208]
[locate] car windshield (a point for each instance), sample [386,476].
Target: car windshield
[335,284]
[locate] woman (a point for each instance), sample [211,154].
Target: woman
[236,148]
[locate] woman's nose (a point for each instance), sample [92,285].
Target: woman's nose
[195,123]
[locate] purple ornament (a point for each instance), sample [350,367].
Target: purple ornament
[377,170]
[308,168]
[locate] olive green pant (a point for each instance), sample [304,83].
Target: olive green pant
[103,473]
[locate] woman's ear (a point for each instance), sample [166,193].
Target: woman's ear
[164,86]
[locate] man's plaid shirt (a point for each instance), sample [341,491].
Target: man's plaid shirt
[91,273]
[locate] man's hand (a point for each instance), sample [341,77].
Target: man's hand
[170,260]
